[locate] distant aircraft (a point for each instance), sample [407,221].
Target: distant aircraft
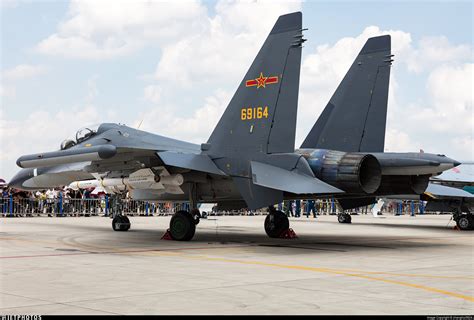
[250,161]
[446,193]
[453,191]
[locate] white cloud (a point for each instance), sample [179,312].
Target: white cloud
[92,90]
[225,47]
[152,93]
[194,126]
[7,92]
[444,122]
[463,147]
[399,141]
[15,74]
[23,71]
[451,88]
[110,28]
[27,136]
[432,51]
[7,4]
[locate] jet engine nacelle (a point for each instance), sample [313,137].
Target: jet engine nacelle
[403,184]
[351,172]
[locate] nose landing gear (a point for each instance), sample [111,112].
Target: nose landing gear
[120,222]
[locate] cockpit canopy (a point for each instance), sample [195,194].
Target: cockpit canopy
[81,135]
[85,133]
[66,144]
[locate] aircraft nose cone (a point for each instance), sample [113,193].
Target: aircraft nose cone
[452,162]
[18,180]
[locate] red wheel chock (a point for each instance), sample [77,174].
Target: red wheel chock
[167,235]
[289,234]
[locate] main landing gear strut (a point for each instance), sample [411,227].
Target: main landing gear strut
[183,223]
[120,222]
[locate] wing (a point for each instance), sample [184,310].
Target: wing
[197,162]
[437,191]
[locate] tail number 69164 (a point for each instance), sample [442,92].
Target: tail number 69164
[254,113]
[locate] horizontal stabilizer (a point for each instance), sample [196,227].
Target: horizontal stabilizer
[73,155]
[198,162]
[269,176]
[437,190]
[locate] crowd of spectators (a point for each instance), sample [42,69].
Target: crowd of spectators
[66,199]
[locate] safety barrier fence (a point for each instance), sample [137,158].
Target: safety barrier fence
[12,206]
[82,207]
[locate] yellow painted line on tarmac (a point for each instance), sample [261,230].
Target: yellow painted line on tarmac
[345,272]
[415,275]
[27,240]
[335,271]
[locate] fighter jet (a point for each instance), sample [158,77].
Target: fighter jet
[452,191]
[354,120]
[249,161]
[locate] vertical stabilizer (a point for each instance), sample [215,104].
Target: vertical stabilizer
[355,117]
[261,117]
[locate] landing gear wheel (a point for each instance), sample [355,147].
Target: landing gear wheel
[121,223]
[196,216]
[276,223]
[344,218]
[182,226]
[465,222]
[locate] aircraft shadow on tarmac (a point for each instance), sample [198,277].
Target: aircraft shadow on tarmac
[228,236]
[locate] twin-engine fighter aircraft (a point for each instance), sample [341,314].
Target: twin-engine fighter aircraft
[250,161]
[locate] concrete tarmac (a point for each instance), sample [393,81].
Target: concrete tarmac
[385,265]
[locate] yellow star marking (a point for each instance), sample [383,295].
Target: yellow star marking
[261,80]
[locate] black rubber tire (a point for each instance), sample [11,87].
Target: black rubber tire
[120,223]
[344,218]
[127,223]
[348,218]
[464,222]
[341,218]
[276,223]
[182,226]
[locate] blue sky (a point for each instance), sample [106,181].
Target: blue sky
[66,64]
